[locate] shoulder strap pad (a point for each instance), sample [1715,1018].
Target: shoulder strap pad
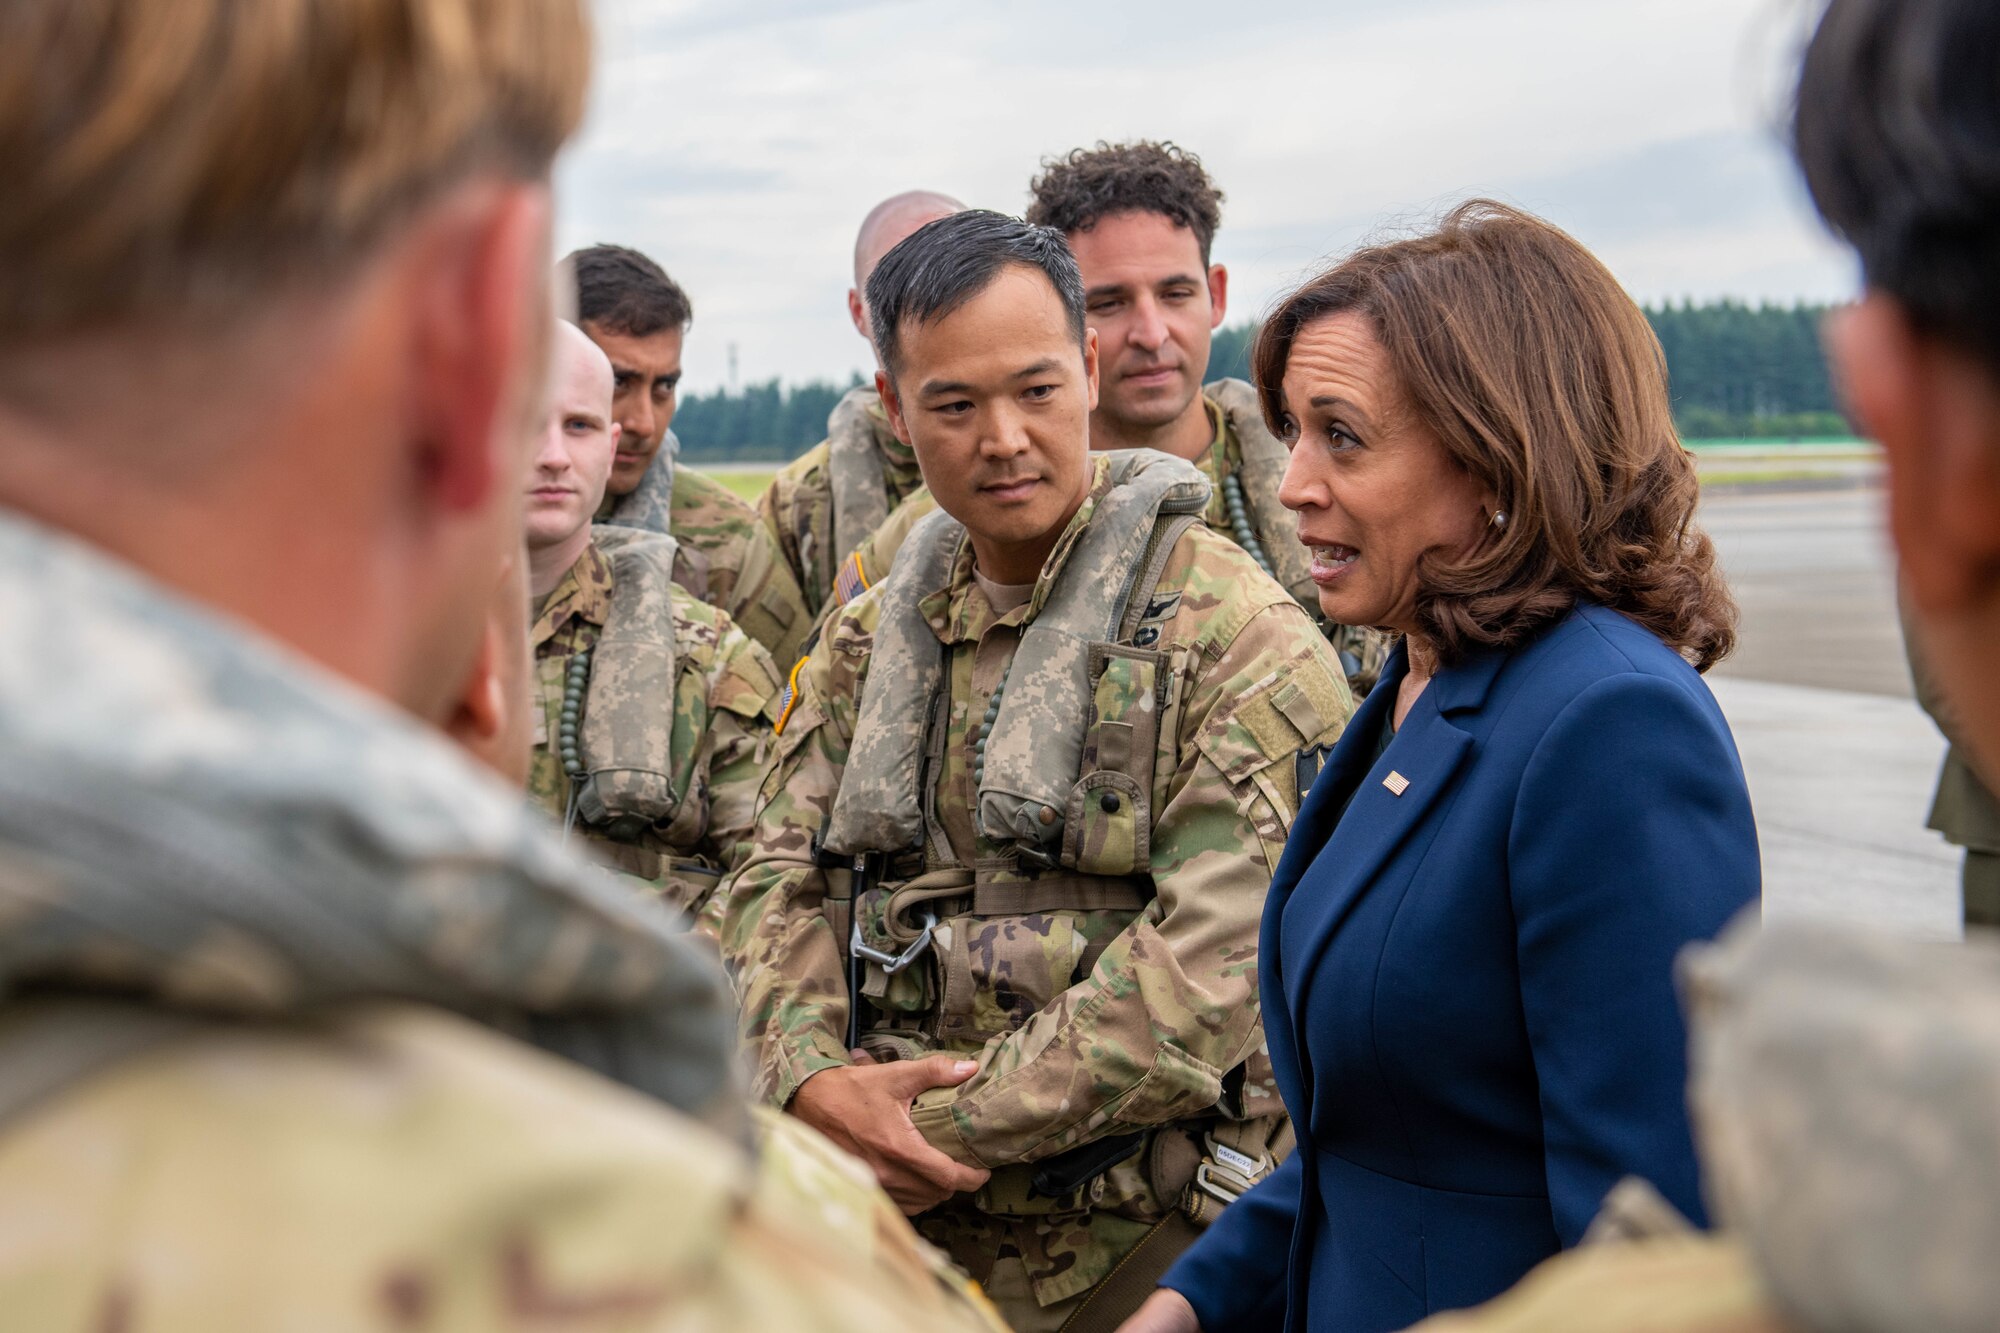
[878,808]
[627,751]
[1035,751]
[1263,470]
[650,506]
[856,472]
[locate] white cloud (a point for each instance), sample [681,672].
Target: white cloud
[740,141]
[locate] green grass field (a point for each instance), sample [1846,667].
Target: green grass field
[749,479]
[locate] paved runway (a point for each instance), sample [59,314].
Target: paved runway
[1840,759]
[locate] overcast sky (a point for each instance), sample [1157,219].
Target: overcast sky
[739,142]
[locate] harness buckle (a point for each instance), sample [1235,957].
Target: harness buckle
[1225,1174]
[892,963]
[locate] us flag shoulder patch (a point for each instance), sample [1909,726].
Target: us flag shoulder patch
[852,582]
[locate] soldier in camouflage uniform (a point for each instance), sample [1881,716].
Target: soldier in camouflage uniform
[639,316]
[1028,795]
[305,1021]
[824,504]
[1141,218]
[649,744]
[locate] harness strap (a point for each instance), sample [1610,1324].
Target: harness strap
[1059,893]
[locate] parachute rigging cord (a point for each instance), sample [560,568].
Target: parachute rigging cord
[1239,523]
[574,684]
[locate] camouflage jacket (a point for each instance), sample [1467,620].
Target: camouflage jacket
[1232,408]
[1845,1086]
[818,517]
[726,557]
[717,724]
[431,1175]
[1088,1022]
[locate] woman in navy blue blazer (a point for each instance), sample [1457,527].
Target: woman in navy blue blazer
[1467,956]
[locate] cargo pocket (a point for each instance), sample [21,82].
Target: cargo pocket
[1108,828]
[1001,972]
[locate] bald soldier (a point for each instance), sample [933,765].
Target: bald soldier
[304,1020]
[1028,795]
[651,707]
[824,504]
[639,316]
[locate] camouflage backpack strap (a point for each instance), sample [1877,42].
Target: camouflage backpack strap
[650,506]
[1034,752]
[625,737]
[1264,456]
[856,472]
[878,808]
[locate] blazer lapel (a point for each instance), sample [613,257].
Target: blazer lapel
[1319,808]
[1342,855]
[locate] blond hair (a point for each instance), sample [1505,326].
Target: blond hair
[178,159]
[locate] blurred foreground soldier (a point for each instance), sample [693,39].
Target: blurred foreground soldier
[997,932]
[1964,808]
[303,1019]
[1846,1086]
[652,708]
[824,504]
[640,316]
[1141,218]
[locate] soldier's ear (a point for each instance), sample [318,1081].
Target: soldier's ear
[480,717]
[1218,295]
[1090,365]
[475,286]
[893,405]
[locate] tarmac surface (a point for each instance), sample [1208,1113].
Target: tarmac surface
[1840,759]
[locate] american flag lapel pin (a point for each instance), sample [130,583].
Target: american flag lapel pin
[1396,783]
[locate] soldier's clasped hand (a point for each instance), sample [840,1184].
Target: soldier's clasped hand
[866,1110]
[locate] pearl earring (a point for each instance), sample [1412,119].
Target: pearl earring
[1499,518]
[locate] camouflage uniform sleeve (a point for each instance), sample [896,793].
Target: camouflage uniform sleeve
[742,705]
[791,980]
[774,514]
[1171,1006]
[766,600]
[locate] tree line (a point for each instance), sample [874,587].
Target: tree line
[1735,371]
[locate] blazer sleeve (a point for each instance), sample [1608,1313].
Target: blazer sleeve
[1235,1274]
[1632,837]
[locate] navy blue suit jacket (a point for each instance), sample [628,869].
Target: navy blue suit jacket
[1468,987]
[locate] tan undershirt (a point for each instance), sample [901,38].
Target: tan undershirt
[1003,597]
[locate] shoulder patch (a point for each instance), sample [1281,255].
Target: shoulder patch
[788,698]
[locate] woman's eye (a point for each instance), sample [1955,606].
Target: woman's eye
[1339,440]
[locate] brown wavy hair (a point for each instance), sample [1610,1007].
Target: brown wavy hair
[1523,356]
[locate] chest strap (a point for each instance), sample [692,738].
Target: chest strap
[1034,751]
